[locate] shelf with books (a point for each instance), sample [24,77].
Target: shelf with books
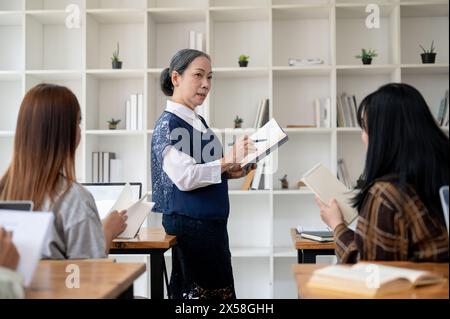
[130,150]
[184,29]
[292,27]
[11,37]
[295,96]
[239,32]
[107,99]
[104,34]
[114,4]
[352,34]
[47,36]
[231,97]
[11,94]
[51,4]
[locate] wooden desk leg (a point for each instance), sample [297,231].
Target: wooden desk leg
[127,294]
[157,264]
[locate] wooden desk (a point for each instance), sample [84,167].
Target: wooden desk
[99,279]
[302,274]
[149,241]
[308,250]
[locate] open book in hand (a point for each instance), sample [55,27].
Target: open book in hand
[137,211]
[326,186]
[370,280]
[267,139]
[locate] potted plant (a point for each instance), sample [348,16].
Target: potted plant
[428,56]
[284,182]
[238,122]
[243,60]
[367,55]
[116,63]
[112,124]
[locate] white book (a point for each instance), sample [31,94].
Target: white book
[95,167]
[128,114]
[30,231]
[137,211]
[267,139]
[317,113]
[116,171]
[133,102]
[107,156]
[199,42]
[257,178]
[140,111]
[326,186]
[258,112]
[370,279]
[192,39]
[327,113]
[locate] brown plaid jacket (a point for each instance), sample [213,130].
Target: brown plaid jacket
[392,225]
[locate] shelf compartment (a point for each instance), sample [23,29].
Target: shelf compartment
[252,277]
[176,3]
[352,34]
[106,98]
[284,282]
[46,37]
[11,5]
[52,4]
[238,3]
[115,4]
[423,69]
[11,35]
[6,149]
[106,29]
[352,150]
[236,32]
[11,93]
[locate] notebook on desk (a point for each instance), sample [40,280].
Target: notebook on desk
[271,136]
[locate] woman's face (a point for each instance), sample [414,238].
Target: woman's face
[192,88]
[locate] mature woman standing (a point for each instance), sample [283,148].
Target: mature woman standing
[189,177]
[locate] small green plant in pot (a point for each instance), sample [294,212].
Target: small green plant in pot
[243,60]
[116,63]
[238,122]
[366,56]
[428,56]
[112,124]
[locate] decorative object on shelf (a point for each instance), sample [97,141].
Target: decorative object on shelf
[243,60]
[116,63]
[428,56]
[113,124]
[238,122]
[284,182]
[303,62]
[300,185]
[367,55]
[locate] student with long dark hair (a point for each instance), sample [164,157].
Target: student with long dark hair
[190,182]
[400,215]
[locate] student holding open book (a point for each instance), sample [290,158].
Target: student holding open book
[400,215]
[43,171]
[189,176]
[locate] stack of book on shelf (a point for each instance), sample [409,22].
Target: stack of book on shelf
[316,234]
[343,174]
[370,280]
[322,112]
[135,112]
[442,115]
[263,114]
[106,168]
[347,110]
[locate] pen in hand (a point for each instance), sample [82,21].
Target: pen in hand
[254,141]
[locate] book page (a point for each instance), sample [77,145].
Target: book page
[326,186]
[271,133]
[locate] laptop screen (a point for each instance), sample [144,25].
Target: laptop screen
[16,205]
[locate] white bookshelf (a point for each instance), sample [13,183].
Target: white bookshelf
[38,47]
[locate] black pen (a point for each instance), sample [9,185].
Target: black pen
[254,141]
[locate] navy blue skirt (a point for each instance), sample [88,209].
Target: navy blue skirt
[201,260]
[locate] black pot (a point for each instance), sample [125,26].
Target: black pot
[116,64]
[367,61]
[428,57]
[243,64]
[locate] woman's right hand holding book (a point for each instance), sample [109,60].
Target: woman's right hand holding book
[241,149]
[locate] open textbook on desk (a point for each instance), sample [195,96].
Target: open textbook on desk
[137,210]
[326,186]
[270,137]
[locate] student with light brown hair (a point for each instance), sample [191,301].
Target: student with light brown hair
[43,170]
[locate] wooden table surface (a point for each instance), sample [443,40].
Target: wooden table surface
[99,279]
[303,272]
[147,238]
[303,243]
